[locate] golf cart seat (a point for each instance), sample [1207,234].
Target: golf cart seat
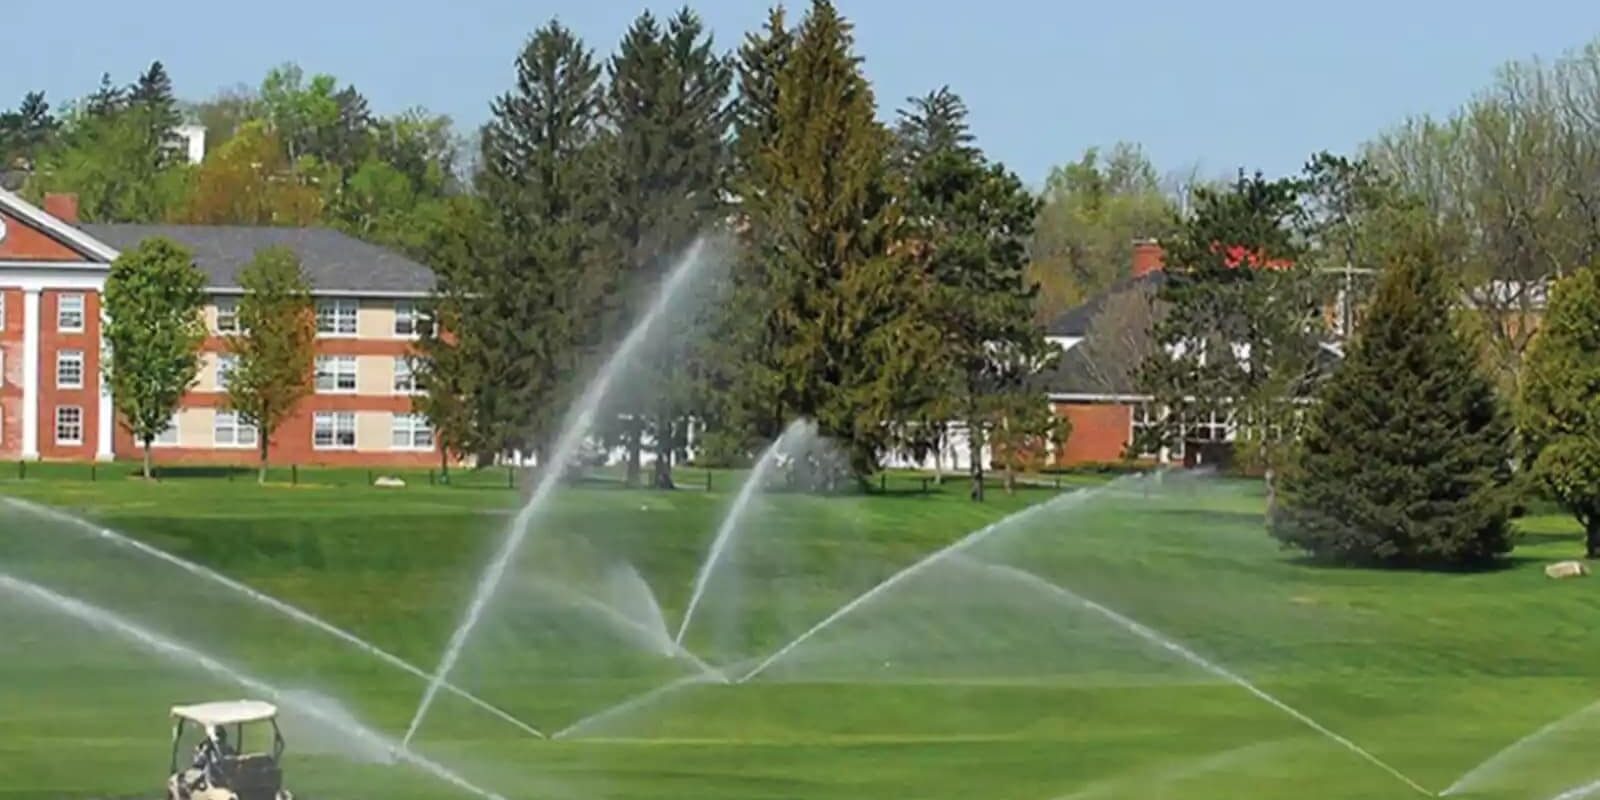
[251,777]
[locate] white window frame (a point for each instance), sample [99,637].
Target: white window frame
[237,428]
[411,427]
[232,304]
[61,312]
[2,310]
[227,364]
[168,437]
[337,311]
[66,357]
[406,310]
[331,422]
[333,367]
[69,441]
[405,377]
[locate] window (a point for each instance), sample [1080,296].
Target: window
[412,432]
[1212,428]
[69,313]
[230,431]
[333,430]
[1147,423]
[227,315]
[169,436]
[69,425]
[336,317]
[406,379]
[405,318]
[226,364]
[336,373]
[69,369]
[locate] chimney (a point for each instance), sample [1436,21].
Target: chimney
[1147,257]
[62,206]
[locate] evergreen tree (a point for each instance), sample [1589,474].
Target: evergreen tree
[1559,413]
[107,100]
[761,59]
[1405,460]
[1240,338]
[850,331]
[151,98]
[535,306]
[154,327]
[667,107]
[970,221]
[275,346]
[26,132]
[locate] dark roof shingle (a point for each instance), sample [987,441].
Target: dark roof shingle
[333,261]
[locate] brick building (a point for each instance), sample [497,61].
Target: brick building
[54,404]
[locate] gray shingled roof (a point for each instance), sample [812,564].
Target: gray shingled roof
[332,260]
[1075,321]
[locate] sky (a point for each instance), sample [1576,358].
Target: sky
[1207,85]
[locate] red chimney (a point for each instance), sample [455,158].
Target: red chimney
[62,206]
[1147,257]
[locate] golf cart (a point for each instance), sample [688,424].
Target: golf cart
[222,769]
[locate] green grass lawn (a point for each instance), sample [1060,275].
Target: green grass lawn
[983,674]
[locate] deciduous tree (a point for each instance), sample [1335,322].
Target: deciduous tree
[154,327]
[1559,413]
[275,346]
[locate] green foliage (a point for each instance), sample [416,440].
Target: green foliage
[1559,412]
[1243,321]
[848,334]
[971,221]
[276,345]
[154,327]
[667,107]
[26,132]
[1093,210]
[249,181]
[1405,460]
[118,169]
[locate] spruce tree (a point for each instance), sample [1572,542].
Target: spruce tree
[970,222]
[1405,460]
[1559,413]
[849,332]
[667,106]
[151,98]
[534,306]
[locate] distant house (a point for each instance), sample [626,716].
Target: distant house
[54,403]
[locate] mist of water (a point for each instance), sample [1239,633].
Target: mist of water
[635,703]
[580,418]
[264,600]
[368,742]
[1499,762]
[732,522]
[1172,646]
[936,557]
[632,597]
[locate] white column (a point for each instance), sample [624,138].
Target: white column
[105,422]
[30,374]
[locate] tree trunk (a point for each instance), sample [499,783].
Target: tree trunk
[635,445]
[1592,537]
[261,476]
[938,456]
[975,442]
[444,465]
[147,473]
[1271,477]
[664,442]
[1011,459]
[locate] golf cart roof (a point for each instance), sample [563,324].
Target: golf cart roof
[227,712]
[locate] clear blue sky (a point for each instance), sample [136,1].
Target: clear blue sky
[1215,83]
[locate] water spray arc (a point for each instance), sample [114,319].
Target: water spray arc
[1150,635]
[156,643]
[273,603]
[731,522]
[575,429]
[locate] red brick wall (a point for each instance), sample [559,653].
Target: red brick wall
[50,397]
[1099,432]
[23,243]
[11,375]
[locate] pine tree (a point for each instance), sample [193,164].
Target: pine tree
[535,305]
[1405,460]
[276,345]
[26,132]
[154,327]
[151,98]
[667,106]
[850,333]
[106,100]
[1240,338]
[761,60]
[970,221]
[1559,413]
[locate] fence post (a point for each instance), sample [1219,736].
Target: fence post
[511,477]
[708,480]
[1058,483]
[294,474]
[883,482]
[430,477]
[22,470]
[370,479]
[924,485]
[93,468]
